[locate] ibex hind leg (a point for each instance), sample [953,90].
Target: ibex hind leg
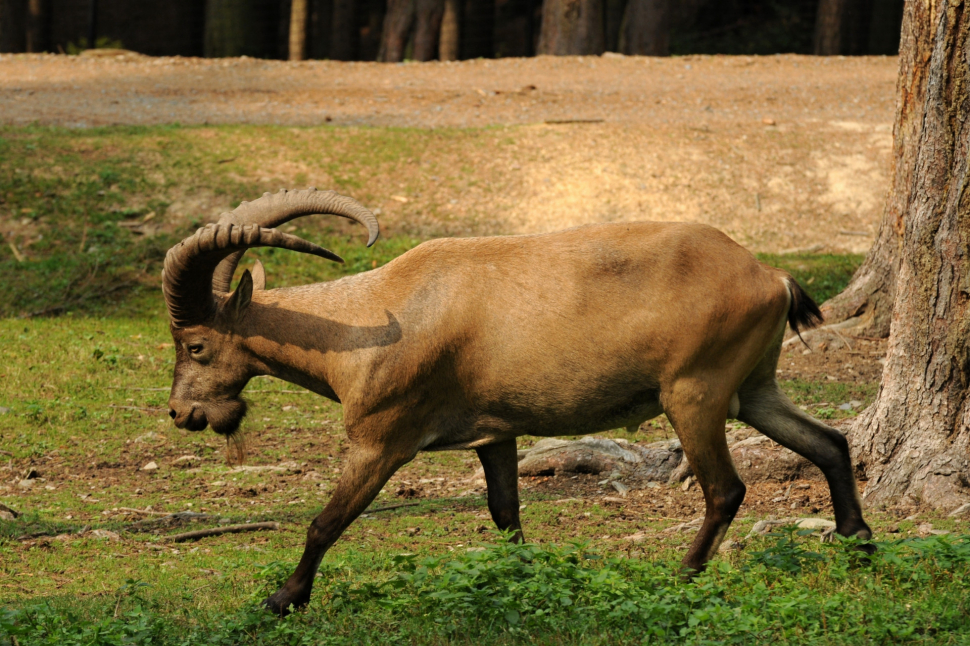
[366,470]
[699,422]
[500,462]
[765,407]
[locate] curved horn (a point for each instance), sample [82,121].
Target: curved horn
[272,210]
[188,271]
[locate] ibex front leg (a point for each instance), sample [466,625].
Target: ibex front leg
[367,470]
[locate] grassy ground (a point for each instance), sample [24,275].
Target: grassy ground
[83,406]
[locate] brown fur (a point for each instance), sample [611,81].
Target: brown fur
[469,343]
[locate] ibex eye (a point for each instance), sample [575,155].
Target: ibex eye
[195,348]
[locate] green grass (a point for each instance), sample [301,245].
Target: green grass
[788,589]
[82,403]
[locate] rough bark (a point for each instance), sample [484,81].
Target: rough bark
[13,32]
[572,28]
[913,443]
[345,35]
[427,28]
[646,28]
[449,43]
[299,13]
[38,25]
[397,27]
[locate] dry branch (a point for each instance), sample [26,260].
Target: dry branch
[215,531]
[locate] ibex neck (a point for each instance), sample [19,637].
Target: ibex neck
[316,335]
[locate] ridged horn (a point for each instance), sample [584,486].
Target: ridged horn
[189,265]
[274,209]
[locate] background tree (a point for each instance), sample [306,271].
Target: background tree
[449,39]
[38,25]
[646,28]
[477,29]
[345,36]
[397,27]
[913,443]
[299,17]
[572,27]
[13,26]
[427,28]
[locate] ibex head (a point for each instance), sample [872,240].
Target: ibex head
[212,366]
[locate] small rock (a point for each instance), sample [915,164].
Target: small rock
[730,546]
[151,466]
[25,484]
[621,488]
[961,510]
[6,513]
[185,460]
[104,534]
[4,410]
[845,406]
[768,121]
[639,537]
[855,403]
[925,529]
[412,531]
[687,483]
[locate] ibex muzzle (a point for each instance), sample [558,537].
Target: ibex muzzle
[470,343]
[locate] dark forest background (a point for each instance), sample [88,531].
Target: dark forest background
[394,30]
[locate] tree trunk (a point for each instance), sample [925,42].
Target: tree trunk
[913,443]
[299,12]
[319,28]
[646,28]
[614,11]
[239,28]
[842,27]
[478,29]
[828,27]
[428,15]
[13,26]
[346,36]
[397,27]
[38,25]
[572,28]
[449,43]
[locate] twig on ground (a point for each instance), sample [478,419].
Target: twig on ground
[558,122]
[390,507]
[215,531]
[146,512]
[144,409]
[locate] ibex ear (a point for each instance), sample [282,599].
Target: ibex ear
[259,276]
[238,303]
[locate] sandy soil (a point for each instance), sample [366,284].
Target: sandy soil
[781,152]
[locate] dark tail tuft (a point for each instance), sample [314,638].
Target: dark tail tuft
[803,312]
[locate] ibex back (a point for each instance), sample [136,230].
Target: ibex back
[470,343]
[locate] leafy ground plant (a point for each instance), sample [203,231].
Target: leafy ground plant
[910,591]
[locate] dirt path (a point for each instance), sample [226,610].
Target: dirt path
[781,152]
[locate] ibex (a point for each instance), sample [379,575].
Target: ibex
[469,343]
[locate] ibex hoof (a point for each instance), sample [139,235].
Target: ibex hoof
[282,604]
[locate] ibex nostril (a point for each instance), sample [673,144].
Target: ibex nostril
[171,413]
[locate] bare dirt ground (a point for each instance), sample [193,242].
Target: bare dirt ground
[781,152]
